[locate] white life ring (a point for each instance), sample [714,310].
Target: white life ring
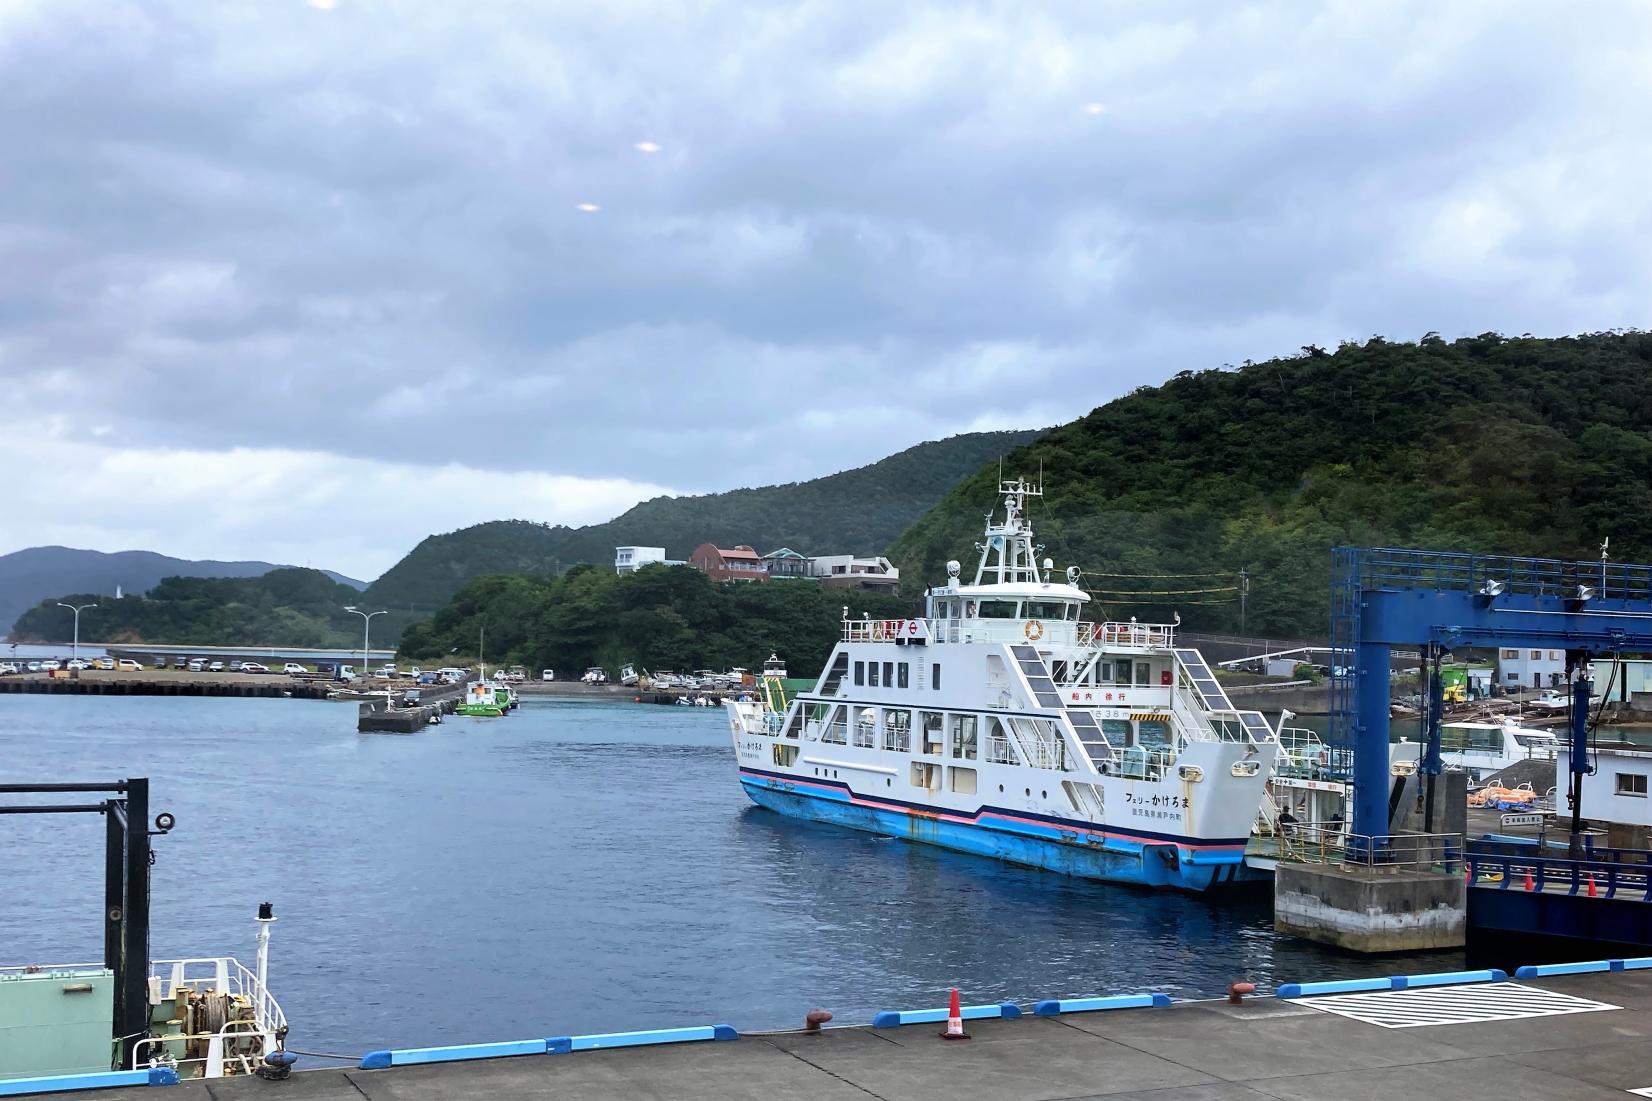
[1034,630]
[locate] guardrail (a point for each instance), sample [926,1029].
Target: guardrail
[1440,852]
[1530,872]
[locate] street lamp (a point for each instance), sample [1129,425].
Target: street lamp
[77,612]
[366,627]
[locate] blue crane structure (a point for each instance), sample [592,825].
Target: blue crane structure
[1384,597]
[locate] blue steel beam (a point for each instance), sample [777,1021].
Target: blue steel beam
[1382,598]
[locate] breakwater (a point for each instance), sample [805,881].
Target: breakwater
[163,684]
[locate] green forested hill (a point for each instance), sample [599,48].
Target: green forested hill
[661,617]
[1508,445]
[284,607]
[857,511]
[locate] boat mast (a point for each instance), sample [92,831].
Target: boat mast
[1008,555]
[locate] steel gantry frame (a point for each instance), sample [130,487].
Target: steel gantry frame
[127,859]
[1385,597]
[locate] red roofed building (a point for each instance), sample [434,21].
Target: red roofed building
[729,564]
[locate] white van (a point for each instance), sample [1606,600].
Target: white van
[292,669]
[547,674]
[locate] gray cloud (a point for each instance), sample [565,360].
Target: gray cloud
[354,232]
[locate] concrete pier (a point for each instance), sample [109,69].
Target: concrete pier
[161,682]
[1365,910]
[1532,1037]
[381,717]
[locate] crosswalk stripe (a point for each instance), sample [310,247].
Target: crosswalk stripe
[1449,1005]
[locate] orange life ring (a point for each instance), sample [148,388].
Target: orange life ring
[1034,630]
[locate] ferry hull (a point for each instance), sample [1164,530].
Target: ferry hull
[1146,864]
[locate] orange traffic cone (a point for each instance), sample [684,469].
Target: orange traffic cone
[1592,892]
[1530,886]
[954,1020]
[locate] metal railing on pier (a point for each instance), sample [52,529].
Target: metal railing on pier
[1330,844]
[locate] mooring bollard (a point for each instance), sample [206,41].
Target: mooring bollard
[814,1019]
[1238,990]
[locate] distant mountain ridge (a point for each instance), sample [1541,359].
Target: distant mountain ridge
[858,511]
[34,574]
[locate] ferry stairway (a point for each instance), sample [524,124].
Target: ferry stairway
[1043,689]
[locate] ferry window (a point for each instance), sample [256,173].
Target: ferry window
[926,775]
[963,780]
[1632,783]
[1144,673]
[963,737]
[865,728]
[1122,668]
[997,609]
[1153,732]
[932,731]
[901,679]
[889,674]
[860,673]
[1044,609]
[897,730]
[785,755]
[837,727]
[969,610]
[1072,611]
[999,750]
[873,667]
[935,676]
[1116,731]
[1106,671]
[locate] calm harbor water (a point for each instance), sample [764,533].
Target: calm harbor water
[575,867]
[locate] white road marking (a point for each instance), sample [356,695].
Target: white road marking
[1453,1005]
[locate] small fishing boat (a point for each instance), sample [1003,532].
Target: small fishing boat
[482,701]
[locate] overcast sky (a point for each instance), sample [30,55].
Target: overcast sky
[306,280]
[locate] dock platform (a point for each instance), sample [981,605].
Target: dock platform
[1566,1037]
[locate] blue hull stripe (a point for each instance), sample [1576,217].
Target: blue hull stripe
[1032,844]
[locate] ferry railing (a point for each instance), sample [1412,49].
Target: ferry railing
[1329,843]
[1140,636]
[243,1042]
[1135,762]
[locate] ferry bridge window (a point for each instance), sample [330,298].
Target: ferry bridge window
[902,677]
[1072,612]
[1144,673]
[997,609]
[889,674]
[860,673]
[963,737]
[833,680]
[873,667]
[1044,609]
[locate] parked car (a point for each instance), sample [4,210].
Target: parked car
[34,667]
[414,672]
[127,665]
[547,674]
[182,663]
[77,664]
[427,678]
[412,697]
[293,669]
[197,666]
[50,664]
[216,667]
[595,675]
[160,663]
[254,667]
[7,668]
[387,670]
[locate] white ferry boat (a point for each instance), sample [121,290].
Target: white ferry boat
[1484,749]
[1004,723]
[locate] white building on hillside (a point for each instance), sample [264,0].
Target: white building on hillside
[632,559]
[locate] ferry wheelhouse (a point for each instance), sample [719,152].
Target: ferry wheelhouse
[1006,723]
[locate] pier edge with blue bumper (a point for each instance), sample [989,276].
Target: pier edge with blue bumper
[96,1080]
[1052,1007]
[1388,982]
[554,1045]
[894,1018]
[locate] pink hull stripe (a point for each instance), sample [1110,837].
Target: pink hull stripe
[968,820]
